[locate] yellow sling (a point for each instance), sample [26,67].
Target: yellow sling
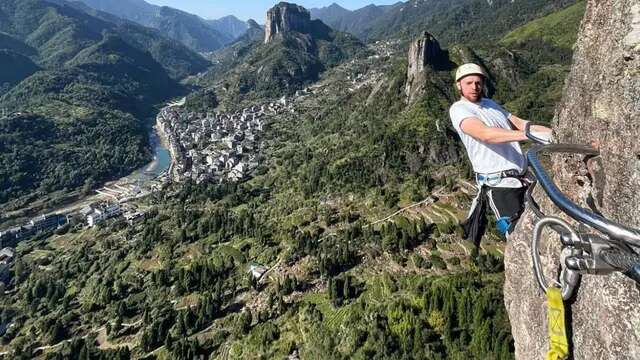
[558,344]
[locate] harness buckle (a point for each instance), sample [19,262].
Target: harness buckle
[493,179]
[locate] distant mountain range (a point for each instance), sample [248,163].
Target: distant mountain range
[235,53]
[197,33]
[230,26]
[357,22]
[449,20]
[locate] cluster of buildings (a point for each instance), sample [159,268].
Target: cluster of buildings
[11,237]
[97,213]
[40,224]
[122,192]
[91,216]
[384,48]
[6,258]
[213,146]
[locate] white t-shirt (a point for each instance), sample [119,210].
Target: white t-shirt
[487,158]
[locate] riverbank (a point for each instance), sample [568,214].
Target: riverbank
[164,141]
[162,160]
[147,178]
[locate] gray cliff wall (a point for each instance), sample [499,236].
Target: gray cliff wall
[285,17]
[601,104]
[424,54]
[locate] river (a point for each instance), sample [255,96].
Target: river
[146,179]
[160,163]
[143,177]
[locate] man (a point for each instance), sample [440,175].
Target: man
[491,135]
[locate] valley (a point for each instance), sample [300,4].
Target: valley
[304,200]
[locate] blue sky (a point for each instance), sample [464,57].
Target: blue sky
[254,9]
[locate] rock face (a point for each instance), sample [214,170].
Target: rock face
[424,53]
[601,104]
[285,17]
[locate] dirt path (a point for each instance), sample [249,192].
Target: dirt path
[264,275]
[93,331]
[427,200]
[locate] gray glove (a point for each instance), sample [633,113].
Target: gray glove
[539,137]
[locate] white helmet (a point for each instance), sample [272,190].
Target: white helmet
[469,69]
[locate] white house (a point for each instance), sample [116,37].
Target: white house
[102,213]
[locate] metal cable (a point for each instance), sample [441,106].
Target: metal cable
[614,230]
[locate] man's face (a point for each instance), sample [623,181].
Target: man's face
[471,87]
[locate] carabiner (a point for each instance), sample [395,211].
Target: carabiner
[569,278]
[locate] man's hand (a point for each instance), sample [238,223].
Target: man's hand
[545,137]
[475,128]
[542,137]
[520,124]
[538,133]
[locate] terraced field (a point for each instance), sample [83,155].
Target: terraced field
[332,317]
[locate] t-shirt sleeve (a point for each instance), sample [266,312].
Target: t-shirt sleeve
[459,112]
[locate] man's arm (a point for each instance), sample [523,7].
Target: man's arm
[521,123]
[475,128]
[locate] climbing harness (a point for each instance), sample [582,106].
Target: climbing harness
[611,247]
[494,179]
[495,190]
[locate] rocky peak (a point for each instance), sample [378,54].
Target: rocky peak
[286,17]
[252,24]
[425,50]
[424,53]
[335,6]
[600,103]
[255,31]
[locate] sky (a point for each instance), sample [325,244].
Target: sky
[254,9]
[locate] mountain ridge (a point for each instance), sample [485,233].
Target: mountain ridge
[294,51]
[197,33]
[229,25]
[440,16]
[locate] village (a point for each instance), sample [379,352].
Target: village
[215,147]
[203,147]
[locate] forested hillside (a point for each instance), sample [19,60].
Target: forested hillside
[91,84]
[545,46]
